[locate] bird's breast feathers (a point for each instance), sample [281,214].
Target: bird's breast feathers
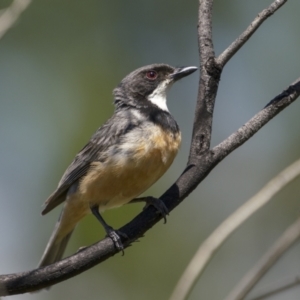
[132,166]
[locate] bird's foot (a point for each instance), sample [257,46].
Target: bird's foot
[159,206]
[115,236]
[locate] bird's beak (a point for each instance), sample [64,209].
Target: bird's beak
[182,72]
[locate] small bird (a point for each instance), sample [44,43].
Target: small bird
[125,156]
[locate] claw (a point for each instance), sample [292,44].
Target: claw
[115,236]
[159,205]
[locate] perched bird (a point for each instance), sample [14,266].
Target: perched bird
[125,156]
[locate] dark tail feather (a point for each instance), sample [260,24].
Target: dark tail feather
[55,247]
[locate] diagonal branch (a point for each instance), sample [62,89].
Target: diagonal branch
[245,36]
[274,107]
[11,14]
[288,239]
[210,246]
[279,289]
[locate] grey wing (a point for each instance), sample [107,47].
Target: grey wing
[95,150]
[74,172]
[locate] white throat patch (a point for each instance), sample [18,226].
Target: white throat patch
[159,95]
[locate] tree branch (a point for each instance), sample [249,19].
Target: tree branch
[11,14]
[201,162]
[210,246]
[274,107]
[288,238]
[244,37]
[208,84]
[280,289]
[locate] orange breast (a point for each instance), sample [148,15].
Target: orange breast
[140,161]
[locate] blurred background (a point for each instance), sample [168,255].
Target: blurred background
[58,67]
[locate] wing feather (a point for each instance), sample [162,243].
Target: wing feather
[95,150]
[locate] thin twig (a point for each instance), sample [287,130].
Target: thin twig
[11,14]
[288,238]
[209,247]
[225,56]
[279,289]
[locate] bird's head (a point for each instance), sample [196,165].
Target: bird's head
[148,86]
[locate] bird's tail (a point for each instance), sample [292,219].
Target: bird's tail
[57,243]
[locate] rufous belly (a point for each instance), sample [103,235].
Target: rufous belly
[132,170]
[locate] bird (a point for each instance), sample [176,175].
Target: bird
[123,158]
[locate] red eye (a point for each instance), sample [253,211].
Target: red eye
[152,75]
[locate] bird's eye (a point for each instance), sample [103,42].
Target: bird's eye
[152,75]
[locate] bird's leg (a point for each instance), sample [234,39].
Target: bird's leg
[156,202]
[110,232]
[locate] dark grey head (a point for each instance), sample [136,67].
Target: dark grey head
[148,86]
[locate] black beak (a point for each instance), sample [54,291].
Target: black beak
[182,72]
